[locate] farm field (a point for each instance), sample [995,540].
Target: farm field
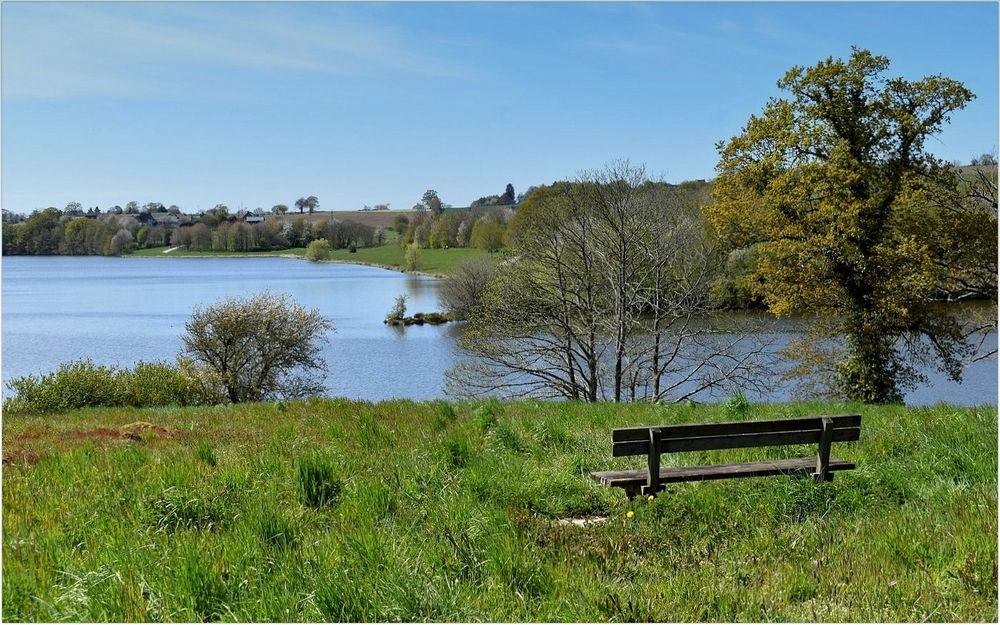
[352,511]
[375,219]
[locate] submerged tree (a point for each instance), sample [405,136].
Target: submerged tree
[835,188]
[262,347]
[602,300]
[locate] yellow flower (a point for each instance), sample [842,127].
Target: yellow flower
[650,498]
[629,514]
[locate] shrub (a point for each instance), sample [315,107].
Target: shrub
[318,250]
[74,385]
[202,384]
[81,384]
[463,289]
[411,262]
[261,347]
[154,384]
[398,310]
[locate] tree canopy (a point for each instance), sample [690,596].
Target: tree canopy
[834,188]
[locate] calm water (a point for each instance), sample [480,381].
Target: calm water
[119,311]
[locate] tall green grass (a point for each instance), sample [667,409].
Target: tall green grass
[352,511]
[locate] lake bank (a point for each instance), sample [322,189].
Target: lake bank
[436,263]
[455,512]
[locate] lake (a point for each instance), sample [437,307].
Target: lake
[117,311]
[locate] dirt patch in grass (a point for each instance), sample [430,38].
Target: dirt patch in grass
[30,436]
[144,428]
[97,433]
[20,456]
[140,430]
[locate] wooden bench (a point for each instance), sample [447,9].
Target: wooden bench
[652,441]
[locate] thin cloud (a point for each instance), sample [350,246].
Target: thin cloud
[71,50]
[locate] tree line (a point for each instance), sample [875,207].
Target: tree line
[55,232]
[827,206]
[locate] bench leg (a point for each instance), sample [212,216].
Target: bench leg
[822,473]
[653,463]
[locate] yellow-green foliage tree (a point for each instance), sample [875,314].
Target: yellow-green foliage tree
[487,234]
[829,185]
[318,250]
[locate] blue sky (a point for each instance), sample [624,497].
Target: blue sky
[260,103]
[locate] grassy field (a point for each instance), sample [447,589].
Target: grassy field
[433,261]
[339,510]
[391,256]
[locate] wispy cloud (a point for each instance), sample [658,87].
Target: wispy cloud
[65,50]
[695,38]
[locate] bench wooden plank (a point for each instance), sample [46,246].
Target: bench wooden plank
[637,478]
[733,441]
[735,427]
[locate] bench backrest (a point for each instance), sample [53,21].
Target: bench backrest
[700,437]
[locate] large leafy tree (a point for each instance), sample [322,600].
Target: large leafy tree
[832,186]
[431,200]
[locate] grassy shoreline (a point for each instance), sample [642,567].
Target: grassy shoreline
[451,512]
[437,263]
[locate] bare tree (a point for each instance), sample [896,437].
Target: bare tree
[605,300]
[463,289]
[963,215]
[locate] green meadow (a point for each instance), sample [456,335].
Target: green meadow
[401,511]
[432,260]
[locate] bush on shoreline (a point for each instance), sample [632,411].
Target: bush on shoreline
[81,384]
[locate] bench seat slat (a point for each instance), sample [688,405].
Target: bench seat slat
[733,441]
[718,471]
[686,430]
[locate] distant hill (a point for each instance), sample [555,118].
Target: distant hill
[375,219]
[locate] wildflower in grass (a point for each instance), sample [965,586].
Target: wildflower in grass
[629,514]
[650,498]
